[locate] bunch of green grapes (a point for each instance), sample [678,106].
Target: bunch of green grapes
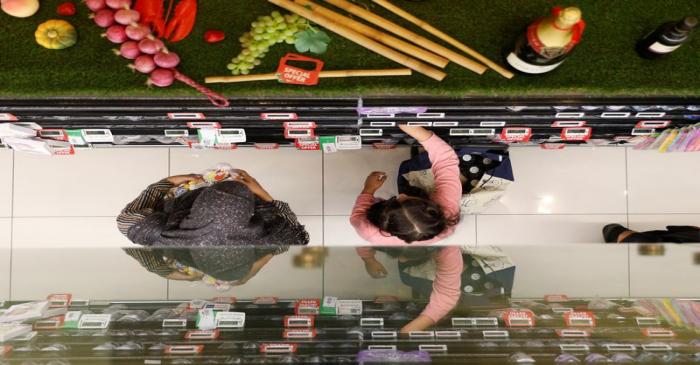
[265,32]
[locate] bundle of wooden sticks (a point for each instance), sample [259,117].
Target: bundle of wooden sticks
[396,43]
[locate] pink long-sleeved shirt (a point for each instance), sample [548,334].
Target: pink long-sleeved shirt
[447,194]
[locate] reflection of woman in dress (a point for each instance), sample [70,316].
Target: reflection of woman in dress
[227,213]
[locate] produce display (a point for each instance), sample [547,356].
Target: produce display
[56,34]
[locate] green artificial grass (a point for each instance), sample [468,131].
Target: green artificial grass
[604,64]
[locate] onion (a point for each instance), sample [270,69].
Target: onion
[126,16]
[137,32]
[166,59]
[116,34]
[95,5]
[104,18]
[150,45]
[129,50]
[118,4]
[161,78]
[144,64]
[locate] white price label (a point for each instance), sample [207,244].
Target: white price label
[230,320]
[230,135]
[94,321]
[348,142]
[349,307]
[364,132]
[97,135]
[190,116]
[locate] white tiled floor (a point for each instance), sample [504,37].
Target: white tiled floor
[676,273]
[6,183]
[5,257]
[67,232]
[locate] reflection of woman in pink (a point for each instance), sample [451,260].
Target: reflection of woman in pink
[446,285]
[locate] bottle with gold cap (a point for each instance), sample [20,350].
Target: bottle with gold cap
[547,41]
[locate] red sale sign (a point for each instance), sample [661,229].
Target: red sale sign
[288,74]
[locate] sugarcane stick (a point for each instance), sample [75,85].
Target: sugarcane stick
[445,37]
[377,35]
[409,35]
[358,38]
[322,74]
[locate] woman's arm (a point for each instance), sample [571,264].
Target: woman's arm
[150,261]
[143,205]
[445,168]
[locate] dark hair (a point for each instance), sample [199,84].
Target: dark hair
[411,220]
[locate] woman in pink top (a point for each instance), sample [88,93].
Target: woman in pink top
[408,219]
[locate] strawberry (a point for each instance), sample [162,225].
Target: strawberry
[214,36]
[66,9]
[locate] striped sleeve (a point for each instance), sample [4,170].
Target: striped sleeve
[150,261]
[143,205]
[290,217]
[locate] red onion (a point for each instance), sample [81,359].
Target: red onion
[118,4]
[126,16]
[95,5]
[166,59]
[104,18]
[143,64]
[129,50]
[150,45]
[161,78]
[116,34]
[137,32]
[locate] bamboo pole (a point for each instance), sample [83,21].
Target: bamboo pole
[323,75]
[409,35]
[358,38]
[444,36]
[377,35]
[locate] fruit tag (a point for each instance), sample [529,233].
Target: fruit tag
[349,307]
[299,125]
[653,124]
[348,142]
[190,116]
[197,125]
[230,320]
[278,348]
[176,133]
[49,323]
[371,132]
[574,348]
[658,332]
[579,319]
[279,116]
[430,115]
[490,334]
[59,300]
[298,133]
[174,323]
[569,333]
[657,346]
[94,321]
[308,144]
[307,307]
[620,347]
[445,124]
[230,135]
[650,115]
[183,349]
[519,318]
[299,334]
[474,322]
[568,123]
[556,298]
[265,300]
[383,335]
[516,134]
[418,124]
[431,348]
[371,322]
[288,74]
[392,110]
[494,123]
[57,134]
[421,335]
[391,124]
[576,134]
[97,135]
[202,335]
[298,321]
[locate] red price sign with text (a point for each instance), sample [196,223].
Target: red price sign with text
[579,319]
[519,318]
[288,74]
[307,306]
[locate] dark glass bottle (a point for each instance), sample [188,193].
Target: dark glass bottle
[667,38]
[547,42]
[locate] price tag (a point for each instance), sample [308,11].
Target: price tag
[298,321]
[279,116]
[299,125]
[617,347]
[175,323]
[519,318]
[579,319]
[349,307]
[176,133]
[348,142]
[569,333]
[495,334]
[420,124]
[384,335]
[615,115]
[382,124]
[475,322]
[448,334]
[430,115]
[59,300]
[381,347]
[206,319]
[278,348]
[198,125]
[482,132]
[288,74]
[647,321]
[445,124]
[329,306]
[202,335]
[657,347]
[366,132]
[372,322]
[653,124]
[97,135]
[460,132]
[307,307]
[562,310]
[228,300]
[566,115]
[230,320]
[266,146]
[189,116]
[299,334]
[643,131]
[56,134]
[658,332]
[569,124]
[308,144]
[49,323]
[72,319]
[421,335]
[183,349]
[650,115]
[94,321]
[576,134]
[432,348]
[516,134]
[265,300]
[223,307]
[392,110]
[7,117]
[231,135]
[79,302]
[298,133]
[574,348]
[380,116]
[495,123]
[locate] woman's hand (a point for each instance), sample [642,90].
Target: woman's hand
[375,268]
[373,182]
[253,185]
[419,324]
[184,179]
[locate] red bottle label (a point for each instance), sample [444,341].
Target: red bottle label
[553,52]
